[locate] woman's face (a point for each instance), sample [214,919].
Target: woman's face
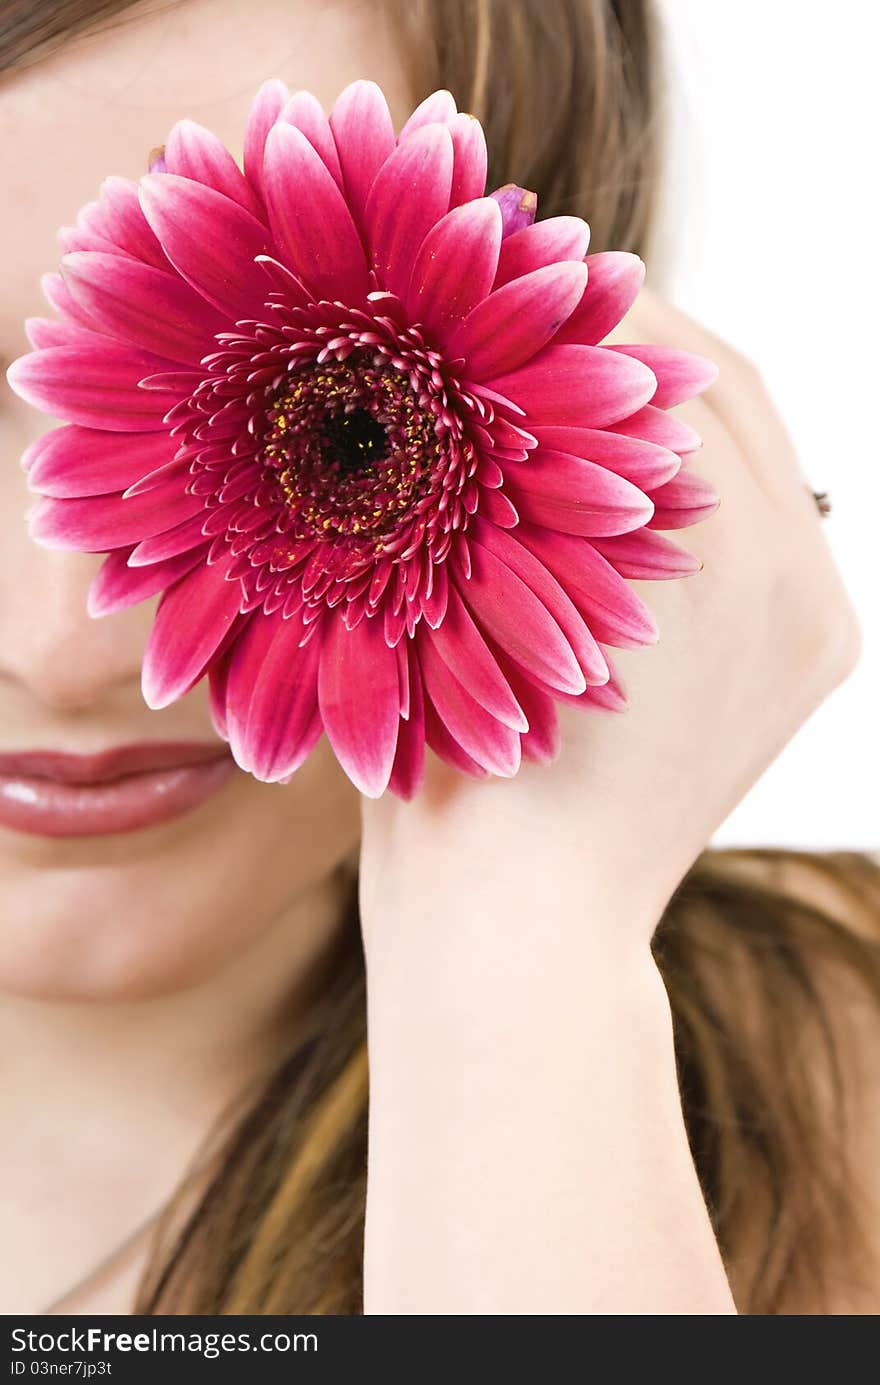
[88,913]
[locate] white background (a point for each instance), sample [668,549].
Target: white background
[771,237]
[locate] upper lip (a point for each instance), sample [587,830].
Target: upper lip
[107,765]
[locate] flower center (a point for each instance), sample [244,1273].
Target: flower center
[341,459]
[354,441]
[352,449]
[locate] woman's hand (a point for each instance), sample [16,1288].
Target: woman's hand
[748,648]
[527,1147]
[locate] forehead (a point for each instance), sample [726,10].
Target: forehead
[100,103]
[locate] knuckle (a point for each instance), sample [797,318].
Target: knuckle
[823,630]
[835,641]
[843,642]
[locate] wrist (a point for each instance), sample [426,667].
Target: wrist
[494,860]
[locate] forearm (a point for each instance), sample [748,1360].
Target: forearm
[527,1148]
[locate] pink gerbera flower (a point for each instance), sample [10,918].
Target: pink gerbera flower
[351,418]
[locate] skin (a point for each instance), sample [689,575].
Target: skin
[750,647]
[182,951]
[144,978]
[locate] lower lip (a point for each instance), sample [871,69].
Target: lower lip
[47,808]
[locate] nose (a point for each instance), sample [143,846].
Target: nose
[63,657]
[50,646]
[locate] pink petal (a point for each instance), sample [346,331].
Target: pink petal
[552,594]
[470,159]
[308,115]
[680,374]
[177,470]
[616,278]
[643,463]
[364,134]
[192,621]
[218,677]
[71,238]
[543,741]
[194,152]
[311,221]
[98,523]
[146,307]
[609,698]
[495,506]
[409,195]
[180,538]
[447,749]
[210,240]
[516,321]
[90,231]
[466,654]
[408,770]
[546,242]
[359,697]
[94,386]
[43,332]
[518,621]
[455,266]
[118,586]
[179,381]
[654,425]
[281,280]
[579,385]
[438,108]
[485,740]
[647,556]
[612,610]
[273,686]
[73,461]
[120,217]
[434,605]
[404,676]
[684,500]
[59,297]
[231,710]
[518,208]
[575,496]
[568,517]
[267,105]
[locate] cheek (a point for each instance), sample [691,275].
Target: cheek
[152,912]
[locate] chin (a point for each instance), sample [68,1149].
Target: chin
[145,914]
[111,935]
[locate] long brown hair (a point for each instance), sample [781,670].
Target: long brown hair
[271,1220]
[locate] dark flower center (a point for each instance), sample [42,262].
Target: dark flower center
[352,448]
[354,441]
[340,458]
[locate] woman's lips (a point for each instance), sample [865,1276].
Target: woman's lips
[49,794]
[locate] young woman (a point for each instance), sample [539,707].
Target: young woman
[602,1078]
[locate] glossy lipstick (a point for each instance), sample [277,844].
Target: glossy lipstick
[50,794]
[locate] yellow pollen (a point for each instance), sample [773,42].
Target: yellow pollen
[342,478]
